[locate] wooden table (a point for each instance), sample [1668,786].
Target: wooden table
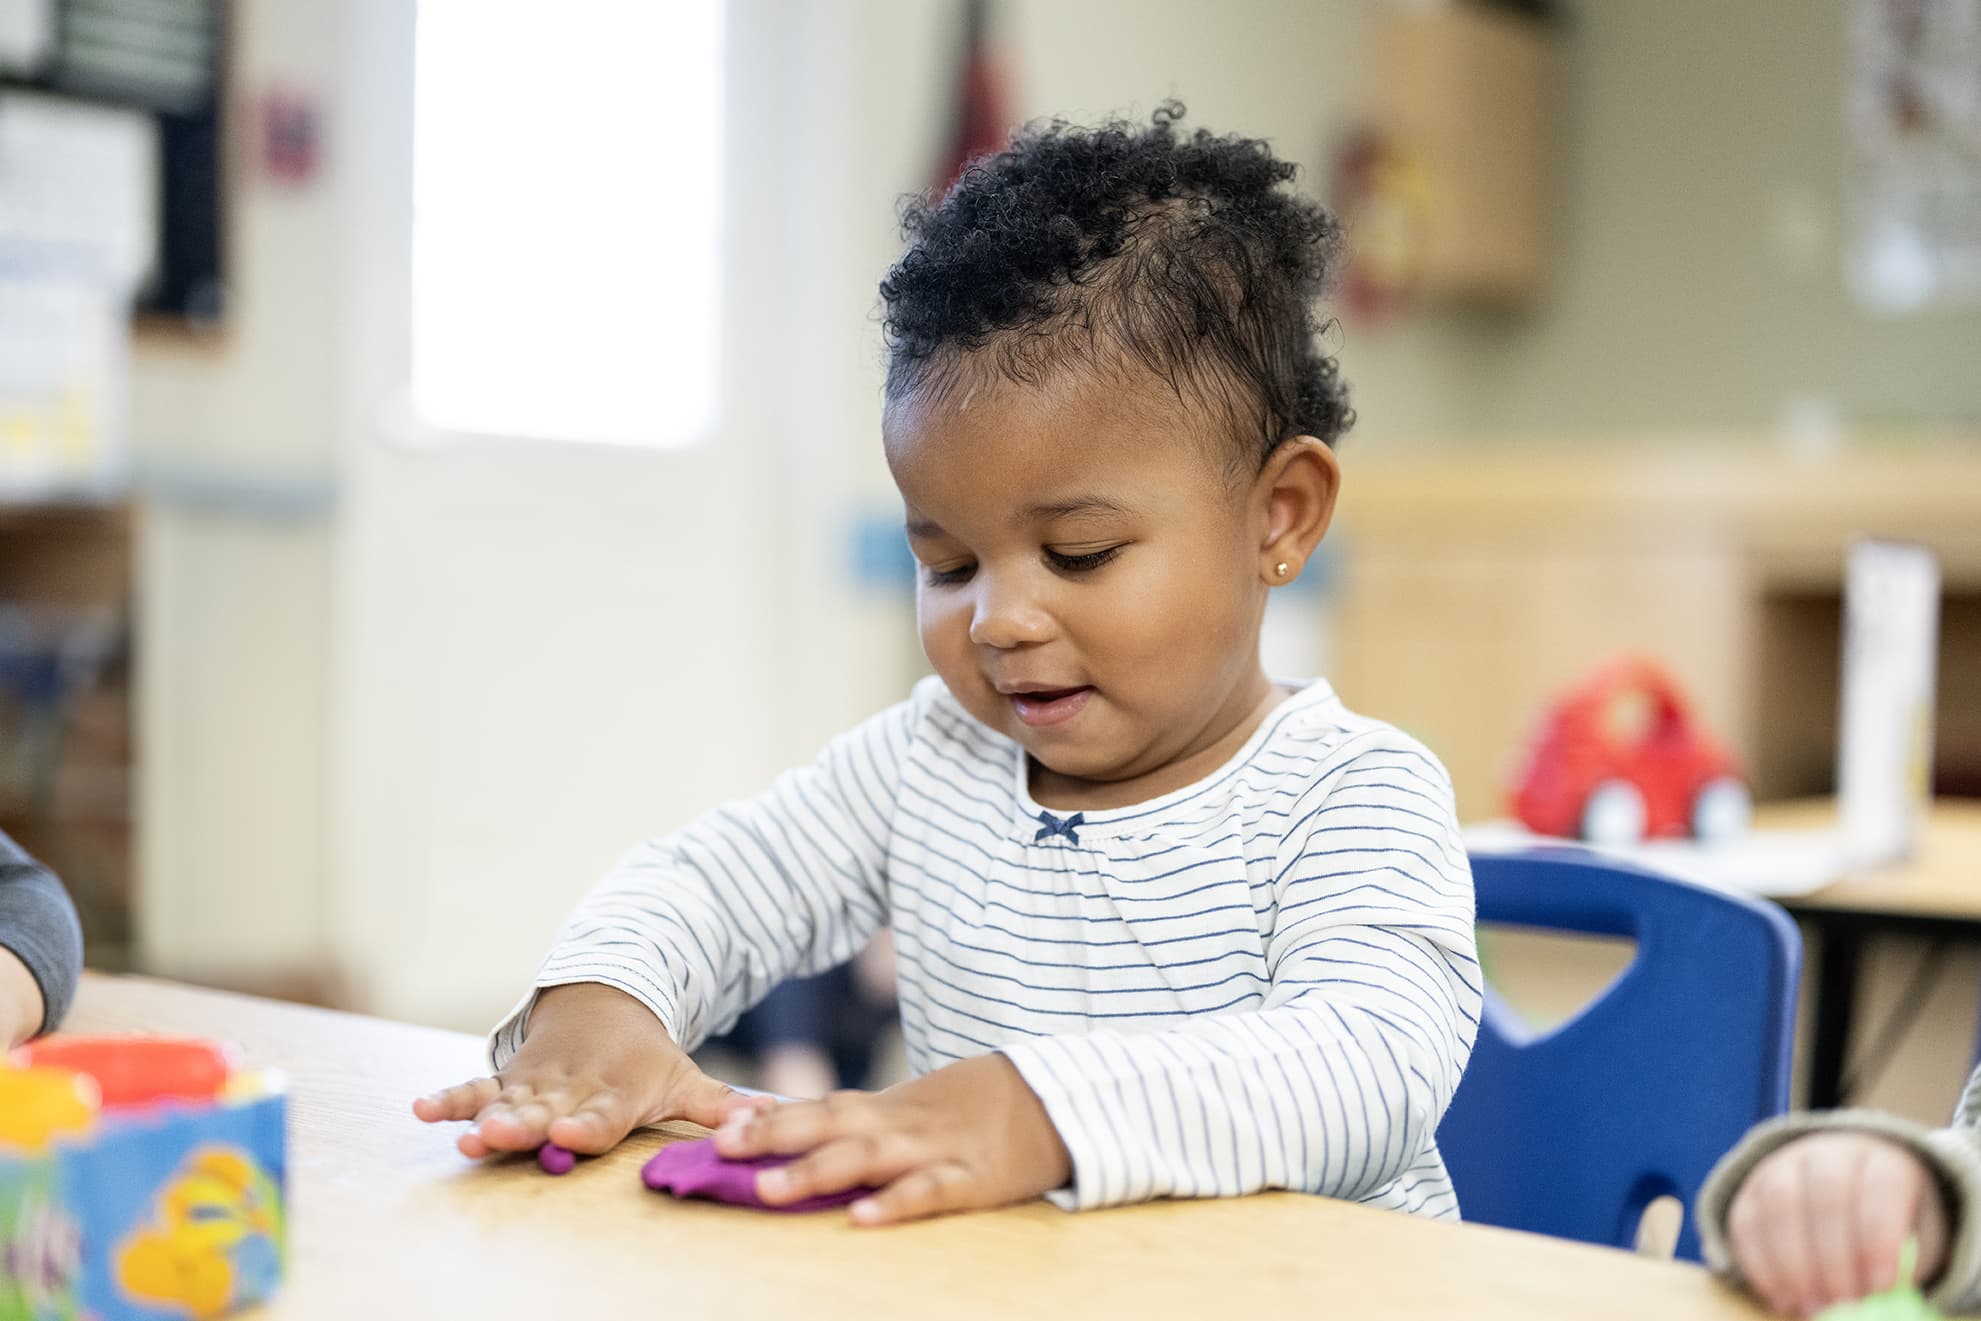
[387,1218]
[1935,893]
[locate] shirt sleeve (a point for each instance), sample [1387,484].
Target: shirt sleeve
[701,925]
[38,923]
[1336,1083]
[1952,1153]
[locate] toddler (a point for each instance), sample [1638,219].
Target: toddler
[1166,927]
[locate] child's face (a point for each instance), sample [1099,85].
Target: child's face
[1090,580]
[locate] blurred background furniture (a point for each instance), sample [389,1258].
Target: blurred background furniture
[1936,894]
[65,705]
[1477,581]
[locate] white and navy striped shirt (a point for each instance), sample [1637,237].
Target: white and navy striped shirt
[1264,980]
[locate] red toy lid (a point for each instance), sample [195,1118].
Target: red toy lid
[138,1070]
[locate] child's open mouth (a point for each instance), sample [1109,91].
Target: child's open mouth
[1050,706]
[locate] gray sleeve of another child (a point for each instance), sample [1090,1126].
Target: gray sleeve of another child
[38,923]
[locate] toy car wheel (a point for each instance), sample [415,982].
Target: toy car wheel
[1721,809]
[1614,813]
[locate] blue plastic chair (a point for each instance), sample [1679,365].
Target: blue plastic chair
[1574,1131]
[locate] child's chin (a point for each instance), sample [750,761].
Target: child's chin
[1072,762]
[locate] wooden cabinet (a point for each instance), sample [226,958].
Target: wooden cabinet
[1466,93]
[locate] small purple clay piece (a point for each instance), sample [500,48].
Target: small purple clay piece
[555,1159]
[695,1169]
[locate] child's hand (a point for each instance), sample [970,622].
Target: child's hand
[1821,1220]
[20,1000]
[966,1136]
[596,1065]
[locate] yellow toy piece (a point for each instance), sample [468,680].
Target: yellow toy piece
[187,1257]
[38,1105]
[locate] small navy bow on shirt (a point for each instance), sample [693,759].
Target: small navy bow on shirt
[1050,825]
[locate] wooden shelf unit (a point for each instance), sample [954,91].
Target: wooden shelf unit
[1480,578]
[66,770]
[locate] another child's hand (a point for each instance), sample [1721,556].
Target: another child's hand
[596,1065]
[20,1000]
[966,1136]
[1821,1219]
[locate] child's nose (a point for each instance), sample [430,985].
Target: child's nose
[1007,615]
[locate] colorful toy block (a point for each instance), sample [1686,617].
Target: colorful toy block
[141,1179]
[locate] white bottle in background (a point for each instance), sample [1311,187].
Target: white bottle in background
[1891,624]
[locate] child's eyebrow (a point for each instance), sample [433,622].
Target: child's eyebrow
[924,529]
[1081,504]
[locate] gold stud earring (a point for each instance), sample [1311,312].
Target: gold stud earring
[1280,568]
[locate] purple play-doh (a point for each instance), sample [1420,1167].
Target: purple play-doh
[695,1169]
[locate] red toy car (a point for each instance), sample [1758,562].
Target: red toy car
[1619,759]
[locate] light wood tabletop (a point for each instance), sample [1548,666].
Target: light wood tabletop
[387,1217]
[1941,880]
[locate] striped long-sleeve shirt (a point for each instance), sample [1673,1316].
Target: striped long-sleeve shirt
[1264,980]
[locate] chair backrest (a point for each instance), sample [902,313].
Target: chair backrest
[1574,1131]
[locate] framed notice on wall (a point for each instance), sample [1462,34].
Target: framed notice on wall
[156,68]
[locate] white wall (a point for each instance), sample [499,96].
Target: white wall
[1699,281]
[545,653]
[238,435]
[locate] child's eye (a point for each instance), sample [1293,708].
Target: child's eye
[1080,563]
[948,577]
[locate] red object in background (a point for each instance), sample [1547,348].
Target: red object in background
[1380,193]
[138,1070]
[291,136]
[983,117]
[1620,758]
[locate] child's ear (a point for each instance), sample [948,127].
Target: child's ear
[1298,487]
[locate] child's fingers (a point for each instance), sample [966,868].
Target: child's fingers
[593,1128]
[463,1101]
[1890,1191]
[1781,1234]
[738,1103]
[1834,1182]
[700,1099]
[1752,1248]
[929,1190]
[517,1128]
[1789,1247]
[873,1159]
[789,1130]
[520,1122]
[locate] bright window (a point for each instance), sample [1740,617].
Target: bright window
[566,191]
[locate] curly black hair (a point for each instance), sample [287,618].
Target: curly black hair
[1127,243]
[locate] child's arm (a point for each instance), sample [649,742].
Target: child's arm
[41,947]
[1812,1209]
[681,937]
[1335,1086]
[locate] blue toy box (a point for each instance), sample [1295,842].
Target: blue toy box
[173,1209]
